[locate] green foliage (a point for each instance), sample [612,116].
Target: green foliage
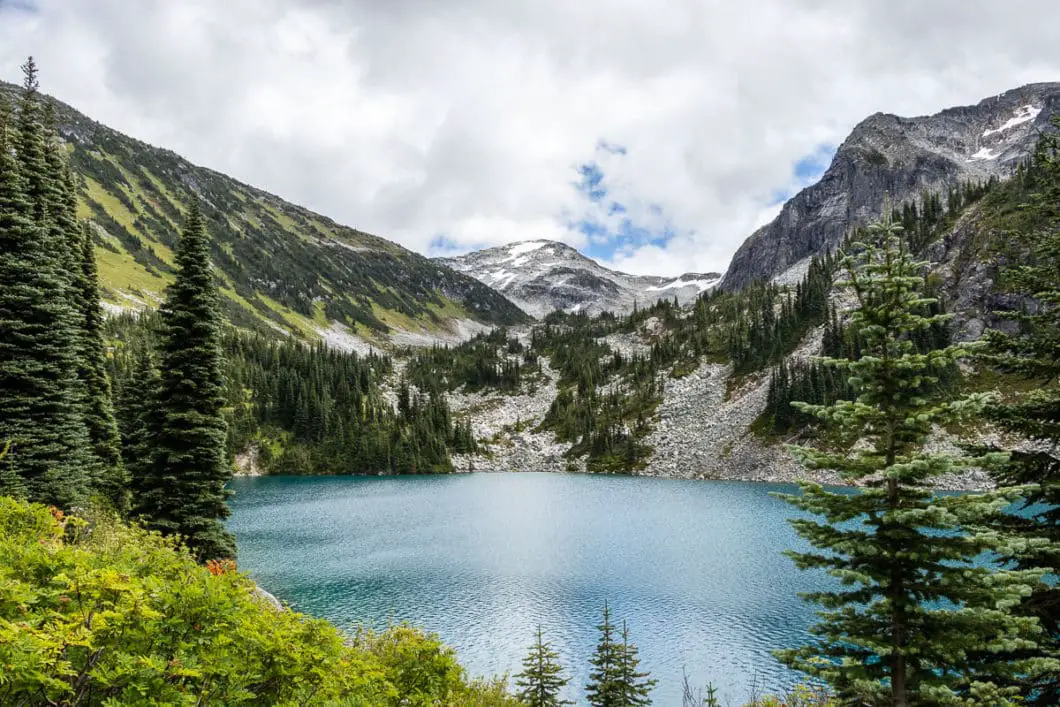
[182,491]
[308,409]
[760,333]
[136,411]
[606,427]
[916,620]
[615,680]
[1033,353]
[112,482]
[41,396]
[485,361]
[818,384]
[924,221]
[95,612]
[10,483]
[541,682]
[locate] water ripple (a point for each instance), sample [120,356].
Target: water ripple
[693,567]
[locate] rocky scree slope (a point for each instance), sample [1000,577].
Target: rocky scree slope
[279,266]
[902,157]
[543,276]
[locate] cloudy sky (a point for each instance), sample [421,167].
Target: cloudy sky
[655,135]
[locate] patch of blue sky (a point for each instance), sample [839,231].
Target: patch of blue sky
[442,246]
[29,6]
[618,230]
[591,182]
[806,170]
[604,241]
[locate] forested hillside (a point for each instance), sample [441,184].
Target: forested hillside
[614,386]
[295,408]
[279,266]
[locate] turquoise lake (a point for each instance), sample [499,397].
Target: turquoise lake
[694,567]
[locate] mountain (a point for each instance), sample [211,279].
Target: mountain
[705,391]
[902,157]
[543,276]
[279,266]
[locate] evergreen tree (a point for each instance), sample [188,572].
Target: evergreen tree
[40,392]
[183,491]
[541,681]
[112,482]
[634,686]
[604,688]
[915,621]
[601,691]
[136,412]
[1034,353]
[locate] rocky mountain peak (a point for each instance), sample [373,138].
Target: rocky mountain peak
[542,276]
[902,157]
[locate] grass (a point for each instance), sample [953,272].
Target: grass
[448,308]
[161,186]
[288,223]
[300,325]
[398,320]
[119,271]
[1009,386]
[114,208]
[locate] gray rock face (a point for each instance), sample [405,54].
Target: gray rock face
[968,272]
[886,154]
[543,276]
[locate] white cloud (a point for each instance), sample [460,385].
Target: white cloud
[467,119]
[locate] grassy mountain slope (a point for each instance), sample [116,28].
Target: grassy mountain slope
[280,266]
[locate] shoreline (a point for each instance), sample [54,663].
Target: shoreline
[824,479]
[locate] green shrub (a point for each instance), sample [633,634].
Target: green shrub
[94,612]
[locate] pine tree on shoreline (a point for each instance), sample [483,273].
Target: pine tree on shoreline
[541,681]
[182,491]
[635,686]
[901,553]
[601,690]
[615,680]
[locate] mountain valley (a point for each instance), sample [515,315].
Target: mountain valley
[647,366]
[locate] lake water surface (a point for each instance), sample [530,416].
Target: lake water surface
[694,567]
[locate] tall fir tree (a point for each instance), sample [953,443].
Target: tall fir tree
[40,392]
[634,685]
[136,411]
[183,491]
[602,689]
[1033,352]
[541,682]
[615,679]
[915,620]
[112,481]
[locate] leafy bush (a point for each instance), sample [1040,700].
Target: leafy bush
[94,612]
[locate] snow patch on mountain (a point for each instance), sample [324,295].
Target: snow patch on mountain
[526,247]
[701,284]
[1023,114]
